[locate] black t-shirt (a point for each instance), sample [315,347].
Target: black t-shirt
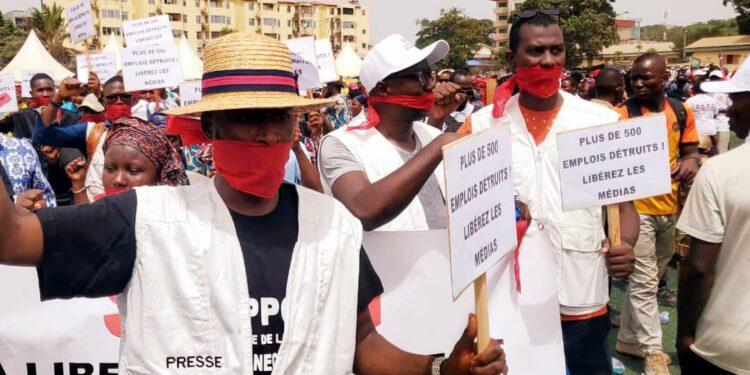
[81,261]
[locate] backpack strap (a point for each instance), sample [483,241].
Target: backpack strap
[634,108]
[92,141]
[679,112]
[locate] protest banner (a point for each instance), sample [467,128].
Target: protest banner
[26,76]
[103,64]
[190,93]
[80,21]
[326,61]
[481,212]
[609,164]
[147,31]
[304,62]
[8,100]
[77,336]
[151,67]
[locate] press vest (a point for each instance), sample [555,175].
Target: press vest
[576,235]
[380,158]
[188,297]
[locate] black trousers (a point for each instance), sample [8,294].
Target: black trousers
[587,350]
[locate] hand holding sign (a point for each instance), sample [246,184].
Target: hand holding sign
[465,360]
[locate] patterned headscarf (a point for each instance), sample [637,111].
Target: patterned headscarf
[149,141]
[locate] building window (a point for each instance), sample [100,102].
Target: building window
[307,23]
[124,1]
[214,4]
[332,11]
[251,22]
[152,2]
[197,3]
[269,21]
[348,11]
[364,31]
[184,3]
[176,33]
[347,25]
[502,17]
[733,59]
[174,17]
[215,34]
[289,9]
[110,13]
[338,11]
[111,30]
[364,13]
[250,6]
[125,15]
[364,45]
[226,4]
[268,7]
[229,20]
[184,18]
[170,2]
[198,35]
[198,19]
[289,23]
[200,49]
[289,36]
[218,19]
[502,4]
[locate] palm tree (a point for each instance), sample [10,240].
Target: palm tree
[51,28]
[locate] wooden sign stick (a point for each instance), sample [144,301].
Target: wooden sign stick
[490,87]
[88,58]
[482,311]
[613,224]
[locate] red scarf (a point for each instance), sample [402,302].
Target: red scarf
[252,168]
[114,112]
[43,101]
[188,129]
[423,102]
[537,81]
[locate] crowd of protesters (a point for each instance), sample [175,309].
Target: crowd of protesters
[144,179]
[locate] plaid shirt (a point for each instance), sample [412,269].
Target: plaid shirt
[23,169]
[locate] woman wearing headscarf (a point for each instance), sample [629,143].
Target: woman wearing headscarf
[359,106]
[136,153]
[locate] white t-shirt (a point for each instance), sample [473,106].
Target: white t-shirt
[722,123]
[718,211]
[706,109]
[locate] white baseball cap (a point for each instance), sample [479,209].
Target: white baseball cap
[395,54]
[716,73]
[740,82]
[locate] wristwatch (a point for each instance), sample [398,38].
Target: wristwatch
[436,364]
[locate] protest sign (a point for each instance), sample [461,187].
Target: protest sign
[481,212]
[190,93]
[80,21]
[614,163]
[8,100]
[304,62]
[151,67]
[26,76]
[326,61]
[103,64]
[147,31]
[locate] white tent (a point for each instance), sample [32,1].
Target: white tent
[192,65]
[113,46]
[33,56]
[348,64]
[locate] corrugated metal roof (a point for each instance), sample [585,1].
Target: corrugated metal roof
[632,48]
[720,41]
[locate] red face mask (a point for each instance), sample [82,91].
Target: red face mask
[114,112]
[422,102]
[43,101]
[93,118]
[538,81]
[108,193]
[250,167]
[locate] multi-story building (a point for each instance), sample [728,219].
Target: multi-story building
[501,22]
[202,20]
[628,30]
[21,19]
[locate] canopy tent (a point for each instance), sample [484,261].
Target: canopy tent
[348,64]
[33,56]
[113,46]
[192,65]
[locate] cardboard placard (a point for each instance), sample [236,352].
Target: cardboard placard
[190,93]
[614,163]
[8,100]
[480,200]
[326,61]
[26,76]
[148,31]
[151,67]
[304,62]
[103,64]
[80,21]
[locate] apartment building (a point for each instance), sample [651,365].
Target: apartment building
[502,12]
[202,20]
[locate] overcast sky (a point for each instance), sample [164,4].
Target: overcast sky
[400,16]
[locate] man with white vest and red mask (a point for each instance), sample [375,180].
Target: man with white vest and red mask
[537,114]
[239,274]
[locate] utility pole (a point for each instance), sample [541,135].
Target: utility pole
[684,42]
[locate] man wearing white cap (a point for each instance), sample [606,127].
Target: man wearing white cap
[713,330]
[722,121]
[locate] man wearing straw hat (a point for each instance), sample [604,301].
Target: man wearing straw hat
[212,276]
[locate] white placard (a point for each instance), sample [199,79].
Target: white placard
[151,67]
[190,93]
[304,62]
[614,163]
[26,76]
[480,199]
[8,100]
[326,61]
[80,21]
[103,64]
[148,31]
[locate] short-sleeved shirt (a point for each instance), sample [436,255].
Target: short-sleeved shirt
[90,250]
[667,204]
[336,160]
[717,211]
[23,169]
[706,109]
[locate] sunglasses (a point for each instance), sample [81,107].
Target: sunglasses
[424,77]
[125,97]
[533,12]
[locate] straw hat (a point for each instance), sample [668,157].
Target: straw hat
[247,71]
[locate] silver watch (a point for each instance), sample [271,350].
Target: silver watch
[436,365]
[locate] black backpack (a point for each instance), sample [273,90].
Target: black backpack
[634,110]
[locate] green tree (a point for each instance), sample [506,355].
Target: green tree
[226,30]
[11,40]
[463,33]
[742,7]
[51,28]
[678,35]
[589,26]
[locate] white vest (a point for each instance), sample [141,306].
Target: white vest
[576,235]
[94,185]
[188,295]
[380,158]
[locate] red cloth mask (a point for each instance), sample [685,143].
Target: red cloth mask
[114,112]
[537,81]
[252,168]
[43,101]
[108,193]
[188,129]
[423,102]
[96,118]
